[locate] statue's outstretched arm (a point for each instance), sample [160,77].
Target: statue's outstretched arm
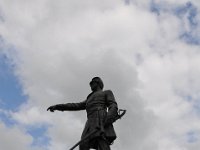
[68,107]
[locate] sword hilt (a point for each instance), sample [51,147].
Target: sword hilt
[121,113]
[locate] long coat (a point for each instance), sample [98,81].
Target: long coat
[100,107]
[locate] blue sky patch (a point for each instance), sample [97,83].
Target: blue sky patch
[189,38]
[155,8]
[6,119]
[11,96]
[39,135]
[190,12]
[187,13]
[192,137]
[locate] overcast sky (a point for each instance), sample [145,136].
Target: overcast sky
[146,51]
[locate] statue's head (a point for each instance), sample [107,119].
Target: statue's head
[95,83]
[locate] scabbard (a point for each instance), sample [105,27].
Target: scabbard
[85,138]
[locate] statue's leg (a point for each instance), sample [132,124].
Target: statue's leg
[84,146]
[103,145]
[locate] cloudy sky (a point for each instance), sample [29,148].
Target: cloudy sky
[146,51]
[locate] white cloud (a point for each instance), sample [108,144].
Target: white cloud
[61,45]
[31,116]
[9,136]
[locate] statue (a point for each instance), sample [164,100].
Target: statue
[102,111]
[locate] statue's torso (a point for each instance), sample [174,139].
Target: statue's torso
[96,105]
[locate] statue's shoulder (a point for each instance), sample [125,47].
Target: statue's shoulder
[108,92]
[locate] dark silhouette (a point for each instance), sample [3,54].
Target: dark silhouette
[102,111]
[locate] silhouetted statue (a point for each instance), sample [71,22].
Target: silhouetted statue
[102,111]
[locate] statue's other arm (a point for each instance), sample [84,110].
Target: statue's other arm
[68,107]
[112,106]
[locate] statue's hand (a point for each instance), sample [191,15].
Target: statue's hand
[52,108]
[108,121]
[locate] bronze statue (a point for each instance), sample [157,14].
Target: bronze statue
[102,111]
